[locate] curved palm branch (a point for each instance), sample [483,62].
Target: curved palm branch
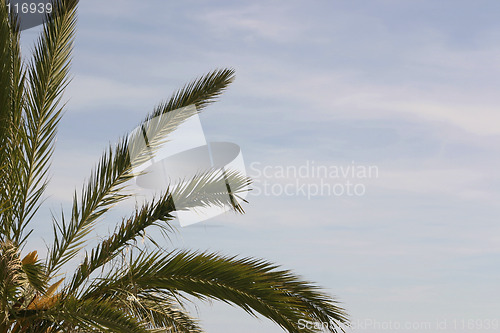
[254,285]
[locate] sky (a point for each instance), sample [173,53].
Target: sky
[406,88]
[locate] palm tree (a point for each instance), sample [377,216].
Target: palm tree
[115,289]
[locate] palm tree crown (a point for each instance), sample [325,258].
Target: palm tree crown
[116,289]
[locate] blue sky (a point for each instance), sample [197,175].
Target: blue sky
[407,86]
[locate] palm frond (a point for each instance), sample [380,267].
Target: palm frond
[47,77]
[10,73]
[9,54]
[254,285]
[106,184]
[11,104]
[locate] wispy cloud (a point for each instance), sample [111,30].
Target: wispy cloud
[255,21]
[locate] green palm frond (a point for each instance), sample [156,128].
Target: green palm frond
[11,93]
[10,74]
[46,78]
[254,285]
